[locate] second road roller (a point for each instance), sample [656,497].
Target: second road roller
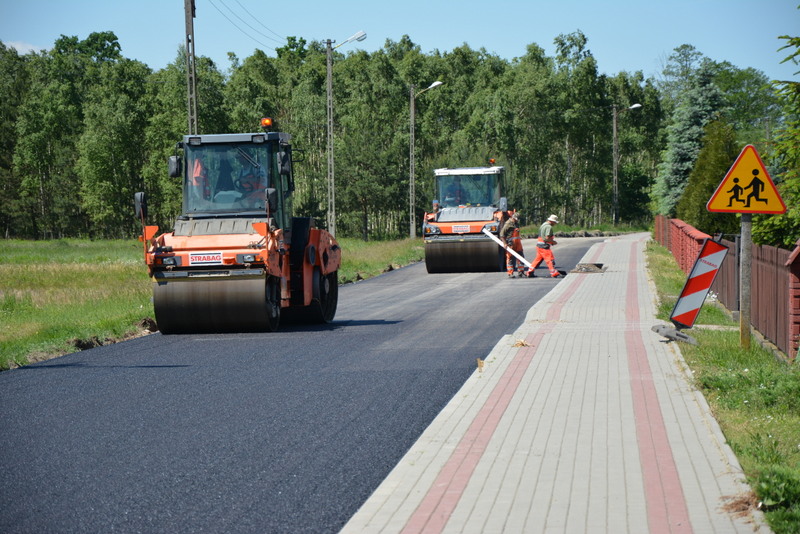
[469,200]
[237,260]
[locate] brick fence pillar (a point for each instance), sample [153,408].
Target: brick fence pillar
[793,263]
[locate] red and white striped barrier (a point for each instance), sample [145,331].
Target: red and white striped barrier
[701,277]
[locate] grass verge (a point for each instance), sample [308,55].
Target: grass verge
[754,397]
[365,259]
[60,296]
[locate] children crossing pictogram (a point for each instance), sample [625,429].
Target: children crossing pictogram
[757,187]
[747,188]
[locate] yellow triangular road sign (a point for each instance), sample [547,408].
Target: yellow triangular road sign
[747,188]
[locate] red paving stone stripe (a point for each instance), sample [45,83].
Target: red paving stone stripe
[666,504]
[437,506]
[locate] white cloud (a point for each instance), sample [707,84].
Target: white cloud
[23,48]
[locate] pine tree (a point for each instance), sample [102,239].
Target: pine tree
[698,105]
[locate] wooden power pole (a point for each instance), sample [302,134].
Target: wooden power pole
[191,77]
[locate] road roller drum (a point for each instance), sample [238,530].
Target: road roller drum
[463,256]
[216,303]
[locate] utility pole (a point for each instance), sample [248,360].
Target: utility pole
[329,48]
[412,230]
[615,155]
[331,180]
[615,165]
[191,86]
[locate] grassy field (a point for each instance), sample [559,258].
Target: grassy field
[365,259]
[754,396]
[62,295]
[58,295]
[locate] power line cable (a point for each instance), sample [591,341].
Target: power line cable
[283,37]
[238,28]
[246,23]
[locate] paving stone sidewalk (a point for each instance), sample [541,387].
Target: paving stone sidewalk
[583,420]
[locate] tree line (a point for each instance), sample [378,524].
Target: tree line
[82,128]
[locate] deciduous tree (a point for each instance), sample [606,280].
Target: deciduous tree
[112,148]
[784,230]
[14,81]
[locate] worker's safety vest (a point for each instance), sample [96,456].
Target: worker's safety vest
[514,241]
[200,178]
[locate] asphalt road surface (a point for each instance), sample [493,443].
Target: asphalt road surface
[277,432]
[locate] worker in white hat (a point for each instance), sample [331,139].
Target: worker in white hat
[543,248]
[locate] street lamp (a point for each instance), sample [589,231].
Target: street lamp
[412,229]
[331,218]
[614,164]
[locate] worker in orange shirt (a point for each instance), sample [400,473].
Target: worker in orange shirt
[199,180]
[509,233]
[543,248]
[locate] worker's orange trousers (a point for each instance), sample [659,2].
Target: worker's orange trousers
[544,255]
[511,260]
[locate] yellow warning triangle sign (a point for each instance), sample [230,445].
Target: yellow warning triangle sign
[747,188]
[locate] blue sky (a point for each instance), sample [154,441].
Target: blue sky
[630,35]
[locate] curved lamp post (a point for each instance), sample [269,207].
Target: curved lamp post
[615,163]
[412,229]
[331,219]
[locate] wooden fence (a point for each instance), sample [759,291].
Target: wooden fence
[775,285]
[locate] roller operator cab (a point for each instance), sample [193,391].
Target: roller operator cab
[236,259]
[468,200]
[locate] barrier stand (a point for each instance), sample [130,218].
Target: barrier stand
[694,291]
